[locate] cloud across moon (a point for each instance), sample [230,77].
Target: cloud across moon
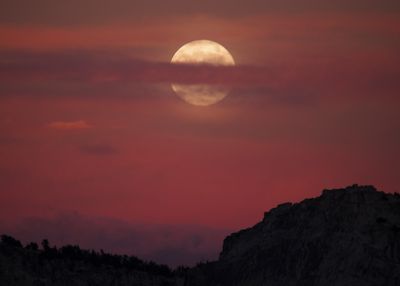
[202,52]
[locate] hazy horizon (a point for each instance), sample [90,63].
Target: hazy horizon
[95,146]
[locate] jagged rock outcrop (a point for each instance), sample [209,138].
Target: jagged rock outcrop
[346,236]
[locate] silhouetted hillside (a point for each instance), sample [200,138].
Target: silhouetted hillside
[344,237]
[70,265]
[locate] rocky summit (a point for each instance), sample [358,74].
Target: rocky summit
[345,237]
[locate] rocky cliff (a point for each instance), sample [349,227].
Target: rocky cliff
[346,236]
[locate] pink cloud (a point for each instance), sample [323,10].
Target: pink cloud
[70,125]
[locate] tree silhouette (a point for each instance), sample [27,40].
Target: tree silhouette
[32,246]
[45,244]
[10,241]
[54,265]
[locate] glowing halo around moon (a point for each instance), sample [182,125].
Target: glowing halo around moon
[202,52]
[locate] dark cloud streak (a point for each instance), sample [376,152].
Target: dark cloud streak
[93,68]
[91,12]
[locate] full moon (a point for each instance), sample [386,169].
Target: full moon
[202,52]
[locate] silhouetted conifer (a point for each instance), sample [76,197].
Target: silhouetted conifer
[32,246]
[10,241]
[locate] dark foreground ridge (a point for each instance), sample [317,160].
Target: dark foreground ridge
[344,237]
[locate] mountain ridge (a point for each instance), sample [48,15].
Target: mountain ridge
[348,236]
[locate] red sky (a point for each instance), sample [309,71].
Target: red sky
[96,149]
